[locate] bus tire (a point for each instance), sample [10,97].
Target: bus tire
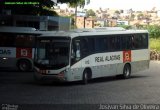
[87,74]
[126,71]
[24,65]
[85,77]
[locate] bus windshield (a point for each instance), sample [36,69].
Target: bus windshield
[52,53]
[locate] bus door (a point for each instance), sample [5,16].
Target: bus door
[76,64]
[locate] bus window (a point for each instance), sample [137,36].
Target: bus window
[7,40]
[84,47]
[144,41]
[137,41]
[128,42]
[117,43]
[100,44]
[75,51]
[91,46]
[25,40]
[78,52]
[111,43]
[133,42]
[123,42]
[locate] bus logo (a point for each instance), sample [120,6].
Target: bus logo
[23,52]
[126,56]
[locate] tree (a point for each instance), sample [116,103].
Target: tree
[74,4]
[154,31]
[126,26]
[90,13]
[117,12]
[41,7]
[132,17]
[140,16]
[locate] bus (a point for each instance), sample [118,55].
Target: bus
[17,47]
[87,54]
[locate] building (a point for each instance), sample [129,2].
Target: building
[122,22]
[89,23]
[83,22]
[38,22]
[80,22]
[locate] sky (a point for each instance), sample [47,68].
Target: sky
[123,4]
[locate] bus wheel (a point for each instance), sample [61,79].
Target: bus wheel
[85,77]
[126,71]
[24,65]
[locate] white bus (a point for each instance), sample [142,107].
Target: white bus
[17,47]
[83,55]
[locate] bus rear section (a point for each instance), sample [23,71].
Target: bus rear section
[17,47]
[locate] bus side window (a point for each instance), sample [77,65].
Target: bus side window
[91,45]
[7,40]
[75,51]
[128,42]
[133,42]
[137,41]
[101,44]
[117,43]
[78,52]
[25,40]
[84,47]
[145,41]
[112,43]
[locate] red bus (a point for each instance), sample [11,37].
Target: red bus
[17,47]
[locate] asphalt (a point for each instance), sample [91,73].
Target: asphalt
[19,88]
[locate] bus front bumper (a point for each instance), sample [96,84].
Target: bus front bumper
[50,77]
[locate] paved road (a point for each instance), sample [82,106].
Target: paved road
[141,88]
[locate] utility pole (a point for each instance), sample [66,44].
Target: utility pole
[75,23]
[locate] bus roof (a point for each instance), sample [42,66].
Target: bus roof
[91,32]
[25,30]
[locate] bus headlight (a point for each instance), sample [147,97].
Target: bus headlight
[4,58]
[61,74]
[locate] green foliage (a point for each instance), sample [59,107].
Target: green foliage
[155,44]
[126,26]
[154,31]
[132,16]
[139,26]
[90,13]
[140,16]
[117,12]
[42,8]
[73,3]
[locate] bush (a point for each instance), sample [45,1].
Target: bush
[125,26]
[154,31]
[155,49]
[155,44]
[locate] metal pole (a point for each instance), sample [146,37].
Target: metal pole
[75,24]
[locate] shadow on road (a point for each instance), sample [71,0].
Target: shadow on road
[113,78]
[93,81]
[26,78]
